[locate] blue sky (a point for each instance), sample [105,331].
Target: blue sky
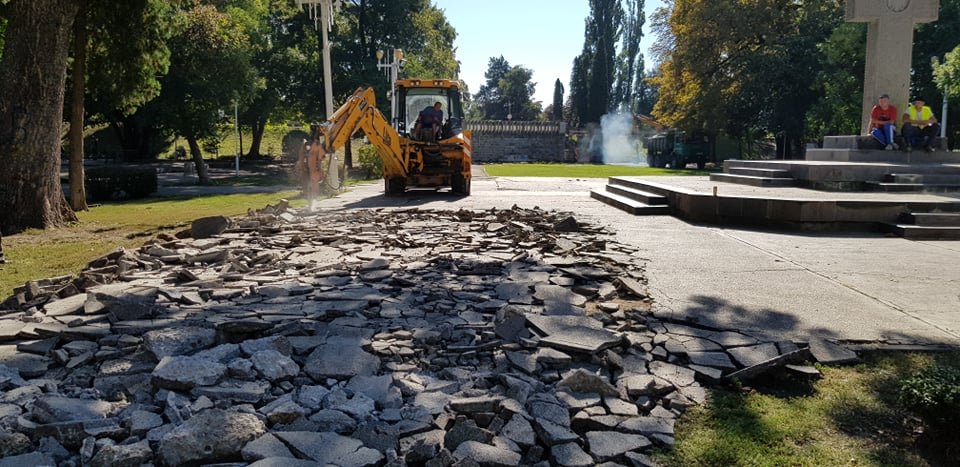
[542,35]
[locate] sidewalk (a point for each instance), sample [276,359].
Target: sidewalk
[855,287]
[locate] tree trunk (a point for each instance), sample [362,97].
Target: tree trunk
[202,177]
[2,258]
[78,194]
[348,153]
[258,127]
[32,80]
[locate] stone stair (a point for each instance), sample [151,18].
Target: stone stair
[753,176]
[927,226]
[909,182]
[632,197]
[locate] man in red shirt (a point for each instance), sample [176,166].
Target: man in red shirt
[883,122]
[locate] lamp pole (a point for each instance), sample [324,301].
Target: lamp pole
[322,11]
[393,72]
[236,124]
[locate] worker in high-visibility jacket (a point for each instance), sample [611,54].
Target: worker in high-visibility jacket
[920,126]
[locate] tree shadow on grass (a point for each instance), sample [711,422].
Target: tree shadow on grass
[898,434]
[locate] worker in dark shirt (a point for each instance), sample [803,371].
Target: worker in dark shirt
[430,120]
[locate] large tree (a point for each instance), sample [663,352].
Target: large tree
[630,71]
[557,107]
[508,91]
[124,45]
[210,70]
[594,74]
[32,83]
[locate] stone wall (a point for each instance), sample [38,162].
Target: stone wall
[497,141]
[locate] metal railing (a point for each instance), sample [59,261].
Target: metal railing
[516,127]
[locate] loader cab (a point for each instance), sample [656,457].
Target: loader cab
[415,95]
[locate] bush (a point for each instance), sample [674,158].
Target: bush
[370,160]
[934,394]
[120,182]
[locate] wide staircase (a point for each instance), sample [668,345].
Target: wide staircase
[927,226]
[753,175]
[918,182]
[632,197]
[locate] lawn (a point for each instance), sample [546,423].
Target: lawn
[38,254]
[579,170]
[850,417]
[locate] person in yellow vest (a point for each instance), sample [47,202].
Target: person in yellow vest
[920,126]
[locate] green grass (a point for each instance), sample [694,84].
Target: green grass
[850,417]
[579,170]
[38,254]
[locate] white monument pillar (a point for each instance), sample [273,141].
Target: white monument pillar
[889,47]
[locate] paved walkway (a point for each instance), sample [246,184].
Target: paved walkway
[856,287]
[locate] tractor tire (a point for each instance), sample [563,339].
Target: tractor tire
[677,164]
[701,165]
[460,184]
[395,186]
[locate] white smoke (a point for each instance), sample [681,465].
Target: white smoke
[619,144]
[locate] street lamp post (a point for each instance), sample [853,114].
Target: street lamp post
[393,71]
[322,12]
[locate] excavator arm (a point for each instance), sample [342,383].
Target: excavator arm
[359,112]
[639,119]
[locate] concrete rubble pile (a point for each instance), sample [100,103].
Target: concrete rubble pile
[359,338]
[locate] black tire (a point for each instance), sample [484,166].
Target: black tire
[460,184]
[701,165]
[677,164]
[395,186]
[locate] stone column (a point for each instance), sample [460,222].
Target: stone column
[889,47]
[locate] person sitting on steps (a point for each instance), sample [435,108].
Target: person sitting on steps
[429,122]
[883,121]
[919,124]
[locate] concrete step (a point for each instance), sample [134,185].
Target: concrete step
[914,187]
[933,219]
[937,179]
[763,173]
[644,197]
[752,181]
[629,205]
[920,232]
[639,184]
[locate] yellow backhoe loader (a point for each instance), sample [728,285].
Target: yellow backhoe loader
[412,156]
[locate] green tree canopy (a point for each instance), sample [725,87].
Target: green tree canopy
[509,91]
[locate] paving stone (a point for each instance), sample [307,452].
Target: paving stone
[581,380]
[169,342]
[234,391]
[618,406]
[711,359]
[519,431]
[180,373]
[606,445]
[142,421]
[340,358]
[570,455]
[66,306]
[465,430]
[472,405]
[828,353]
[274,366]
[264,447]
[330,448]
[334,421]
[207,227]
[556,293]
[123,454]
[754,354]
[486,455]
[647,425]
[210,436]
[377,388]
[645,385]
[14,444]
[32,458]
[675,374]
[550,433]
[53,409]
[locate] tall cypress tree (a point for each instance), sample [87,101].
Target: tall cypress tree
[597,64]
[557,101]
[631,60]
